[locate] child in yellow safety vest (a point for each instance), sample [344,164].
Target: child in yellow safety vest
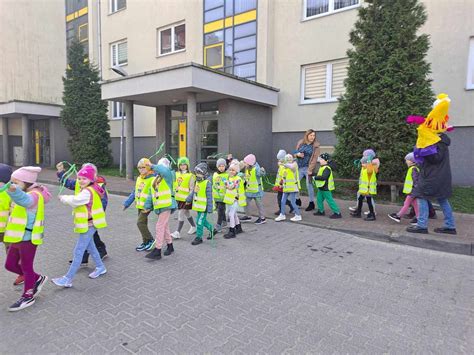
[234,198]
[291,187]
[25,231]
[202,202]
[139,195]
[367,187]
[183,185]
[324,182]
[218,192]
[89,215]
[278,186]
[163,203]
[411,180]
[253,188]
[5,201]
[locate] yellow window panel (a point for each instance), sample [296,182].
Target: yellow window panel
[218,47]
[77,14]
[213,26]
[229,22]
[245,17]
[83,11]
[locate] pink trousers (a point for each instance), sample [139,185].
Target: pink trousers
[163,229]
[409,200]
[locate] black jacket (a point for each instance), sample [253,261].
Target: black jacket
[324,177]
[435,173]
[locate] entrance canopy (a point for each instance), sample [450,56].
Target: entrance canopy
[170,85]
[34,110]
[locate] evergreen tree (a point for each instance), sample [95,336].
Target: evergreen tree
[387,81]
[85,113]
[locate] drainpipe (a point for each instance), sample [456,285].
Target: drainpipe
[99,40]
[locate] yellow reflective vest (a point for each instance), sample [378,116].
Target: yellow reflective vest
[18,219]
[408,185]
[97,214]
[182,186]
[279,176]
[142,191]
[235,194]
[218,185]
[367,187]
[252,181]
[291,181]
[200,198]
[5,202]
[320,183]
[162,197]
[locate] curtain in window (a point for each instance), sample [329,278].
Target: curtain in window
[315,82]
[316,7]
[179,37]
[165,41]
[339,4]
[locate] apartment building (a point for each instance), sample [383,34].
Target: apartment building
[32,62]
[278,69]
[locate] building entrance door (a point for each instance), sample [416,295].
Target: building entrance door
[41,143]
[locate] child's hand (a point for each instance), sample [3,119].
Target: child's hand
[12,188]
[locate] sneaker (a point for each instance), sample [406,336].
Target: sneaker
[169,249]
[394,217]
[97,272]
[260,221]
[217,229]
[319,213]
[367,212]
[370,217]
[238,229]
[155,254]
[103,256]
[416,229]
[296,218]
[281,217]
[192,230]
[175,235]
[310,207]
[445,230]
[150,245]
[83,262]
[196,241]
[19,280]
[353,208]
[141,247]
[335,216]
[22,303]
[39,284]
[245,219]
[356,214]
[62,282]
[414,221]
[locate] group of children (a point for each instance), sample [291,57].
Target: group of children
[158,188]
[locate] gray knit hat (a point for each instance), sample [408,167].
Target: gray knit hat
[410,157]
[220,161]
[281,154]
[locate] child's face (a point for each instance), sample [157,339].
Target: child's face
[409,162]
[83,182]
[221,168]
[183,167]
[199,176]
[142,170]
[322,161]
[18,183]
[232,172]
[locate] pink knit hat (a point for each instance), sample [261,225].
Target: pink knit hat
[27,174]
[250,160]
[88,172]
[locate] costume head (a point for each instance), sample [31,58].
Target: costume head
[201,171]
[28,174]
[250,160]
[435,123]
[289,158]
[324,158]
[144,163]
[165,162]
[183,161]
[220,162]
[235,167]
[410,157]
[87,172]
[5,173]
[281,155]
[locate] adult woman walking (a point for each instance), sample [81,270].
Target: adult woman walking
[307,152]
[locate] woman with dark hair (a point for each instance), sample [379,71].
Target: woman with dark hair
[307,152]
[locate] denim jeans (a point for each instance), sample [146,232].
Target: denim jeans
[424,212]
[292,197]
[309,184]
[85,242]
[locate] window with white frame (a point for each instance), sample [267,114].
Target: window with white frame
[116,5]
[470,66]
[118,54]
[323,82]
[313,8]
[172,39]
[118,110]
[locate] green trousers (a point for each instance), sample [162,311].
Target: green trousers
[326,195]
[142,224]
[202,223]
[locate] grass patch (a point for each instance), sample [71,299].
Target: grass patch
[112,171]
[463,199]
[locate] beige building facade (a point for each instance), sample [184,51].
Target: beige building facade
[32,62]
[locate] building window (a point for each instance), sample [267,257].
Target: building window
[172,39]
[230,36]
[323,82]
[315,8]
[208,140]
[118,110]
[118,53]
[117,5]
[470,66]
[83,32]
